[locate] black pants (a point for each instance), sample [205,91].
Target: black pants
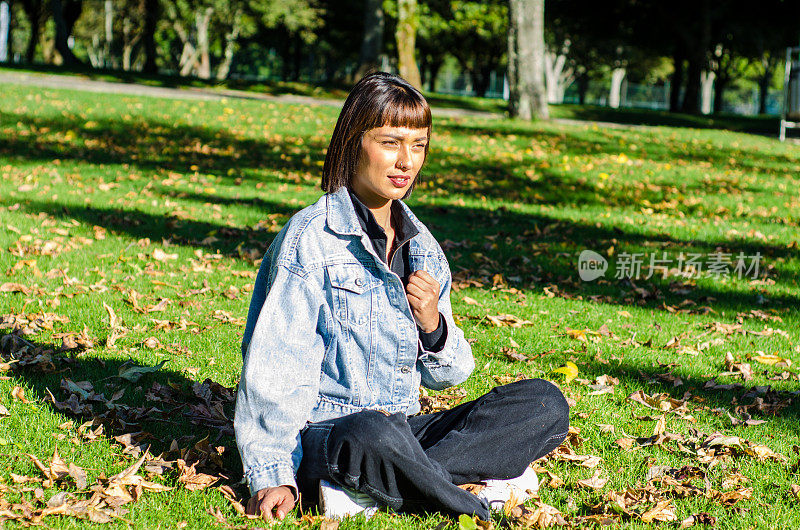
[414,464]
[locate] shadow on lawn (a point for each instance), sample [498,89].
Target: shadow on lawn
[159,409]
[534,250]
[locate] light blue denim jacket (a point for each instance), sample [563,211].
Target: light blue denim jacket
[330,332]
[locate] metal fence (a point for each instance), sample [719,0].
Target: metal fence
[737,100]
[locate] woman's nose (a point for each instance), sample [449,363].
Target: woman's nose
[404,158]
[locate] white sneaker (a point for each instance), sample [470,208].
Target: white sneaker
[336,501]
[497,492]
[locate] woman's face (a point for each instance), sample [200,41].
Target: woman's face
[389,162]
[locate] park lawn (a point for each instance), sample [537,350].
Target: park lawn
[133,231]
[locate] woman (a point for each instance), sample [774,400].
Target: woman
[349,315]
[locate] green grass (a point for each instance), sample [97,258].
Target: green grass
[93,185]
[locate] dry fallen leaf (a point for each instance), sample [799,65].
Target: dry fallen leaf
[18,393]
[192,479]
[595,482]
[662,511]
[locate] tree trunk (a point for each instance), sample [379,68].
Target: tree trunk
[109,32]
[763,83]
[583,88]
[230,41]
[5,27]
[204,65]
[406,36]
[297,57]
[481,79]
[615,92]
[557,75]
[720,83]
[151,14]
[433,73]
[129,45]
[707,89]
[372,41]
[33,10]
[65,14]
[691,99]
[676,82]
[527,92]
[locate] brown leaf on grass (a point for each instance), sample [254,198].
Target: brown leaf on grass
[152,343]
[555,480]
[729,498]
[662,511]
[78,475]
[734,479]
[113,321]
[4,411]
[513,354]
[18,393]
[160,255]
[505,319]
[231,496]
[663,402]
[737,369]
[10,287]
[541,516]
[76,341]
[595,482]
[192,479]
[564,452]
[795,489]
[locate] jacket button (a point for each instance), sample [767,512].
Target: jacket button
[405,369]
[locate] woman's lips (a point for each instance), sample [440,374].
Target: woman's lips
[399,181]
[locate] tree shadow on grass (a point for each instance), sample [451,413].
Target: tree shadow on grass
[663,148]
[140,408]
[529,251]
[155,146]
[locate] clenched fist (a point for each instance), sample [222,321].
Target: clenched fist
[422,292]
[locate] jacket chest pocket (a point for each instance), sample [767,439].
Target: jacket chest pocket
[354,294]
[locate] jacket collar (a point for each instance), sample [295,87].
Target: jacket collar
[342,217]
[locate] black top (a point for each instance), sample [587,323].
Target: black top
[404,230]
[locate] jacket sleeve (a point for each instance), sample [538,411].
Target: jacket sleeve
[454,363]
[280,376]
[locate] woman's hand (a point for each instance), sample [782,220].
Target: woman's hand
[279,499]
[422,292]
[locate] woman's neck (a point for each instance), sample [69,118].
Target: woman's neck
[381,210]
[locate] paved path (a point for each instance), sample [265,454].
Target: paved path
[91,85]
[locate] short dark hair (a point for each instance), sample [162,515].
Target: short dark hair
[379,99]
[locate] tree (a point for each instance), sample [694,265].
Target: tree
[372,40]
[65,14]
[528,96]
[37,14]
[406,35]
[152,13]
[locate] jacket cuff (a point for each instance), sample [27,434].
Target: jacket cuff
[271,476]
[435,340]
